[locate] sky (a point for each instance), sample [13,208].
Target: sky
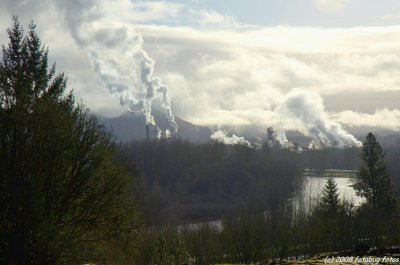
[316,66]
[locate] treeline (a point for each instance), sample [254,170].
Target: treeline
[319,160]
[183,182]
[348,158]
[292,231]
[288,227]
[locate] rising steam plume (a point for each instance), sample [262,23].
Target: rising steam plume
[301,110]
[222,137]
[136,96]
[305,110]
[119,59]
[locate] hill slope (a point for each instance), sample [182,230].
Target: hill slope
[131,126]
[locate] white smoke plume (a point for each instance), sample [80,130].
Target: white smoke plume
[118,57]
[222,137]
[166,103]
[305,110]
[280,136]
[300,110]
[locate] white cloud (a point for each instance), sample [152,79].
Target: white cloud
[211,18]
[235,70]
[381,118]
[221,72]
[391,16]
[145,11]
[331,5]
[239,78]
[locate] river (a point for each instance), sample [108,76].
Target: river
[314,186]
[312,190]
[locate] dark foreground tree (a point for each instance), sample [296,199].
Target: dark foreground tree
[63,198]
[373,180]
[330,201]
[331,220]
[376,218]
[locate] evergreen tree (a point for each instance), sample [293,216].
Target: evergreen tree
[376,218]
[373,180]
[325,219]
[330,201]
[63,198]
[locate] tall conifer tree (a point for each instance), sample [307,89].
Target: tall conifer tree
[63,198]
[373,180]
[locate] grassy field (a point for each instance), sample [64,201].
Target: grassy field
[356,260]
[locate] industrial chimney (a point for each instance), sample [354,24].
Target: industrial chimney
[147,132]
[270,134]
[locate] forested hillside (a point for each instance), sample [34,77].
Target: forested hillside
[186,182]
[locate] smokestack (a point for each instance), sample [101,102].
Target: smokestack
[270,132]
[147,132]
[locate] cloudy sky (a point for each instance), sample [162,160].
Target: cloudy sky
[295,64]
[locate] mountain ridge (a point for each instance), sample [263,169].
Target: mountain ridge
[132,126]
